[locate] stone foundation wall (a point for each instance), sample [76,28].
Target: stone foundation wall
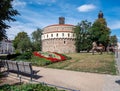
[60,45]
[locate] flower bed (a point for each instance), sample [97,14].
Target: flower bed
[61,56]
[52,56]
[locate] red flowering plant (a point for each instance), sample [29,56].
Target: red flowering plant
[52,56]
[61,56]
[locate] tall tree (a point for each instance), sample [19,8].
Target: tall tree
[99,30]
[113,40]
[83,40]
[22,42]
[6,14]
[36,40]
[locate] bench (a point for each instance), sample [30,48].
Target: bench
[1,64]
[26,68]
[21,68]
[12,66]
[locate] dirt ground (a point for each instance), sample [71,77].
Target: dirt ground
[8,80]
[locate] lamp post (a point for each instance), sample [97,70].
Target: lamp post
[116,51]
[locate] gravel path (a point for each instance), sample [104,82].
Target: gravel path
[111,83]
[79,80]
[75,80]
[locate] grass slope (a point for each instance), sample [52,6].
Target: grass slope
[86,62]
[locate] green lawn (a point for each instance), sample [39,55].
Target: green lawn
[86,62]
[83,62]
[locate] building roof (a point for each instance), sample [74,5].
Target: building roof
[60,25]
[57,28]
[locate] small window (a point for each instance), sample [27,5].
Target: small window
[68,35]
[64,41]
[62,34]
[73,35]
[51,35]
[47,36]
[57,35]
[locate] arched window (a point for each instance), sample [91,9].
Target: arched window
[63,34]
[68,35]
[57,35]
[51,35]
[73,35]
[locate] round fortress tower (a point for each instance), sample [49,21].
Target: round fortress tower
[58,38]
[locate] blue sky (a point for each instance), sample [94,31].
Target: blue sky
[40,13]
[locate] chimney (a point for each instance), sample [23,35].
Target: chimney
[61,20]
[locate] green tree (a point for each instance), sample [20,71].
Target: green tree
[36,40]
[82,41]
[100,32]
[113,40]
[22,42]
[6,14]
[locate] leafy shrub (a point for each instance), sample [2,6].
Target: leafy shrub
[67,57]
[9,56]
[5,87]
[28,87]
[39,61]
[26,55]
[12,56]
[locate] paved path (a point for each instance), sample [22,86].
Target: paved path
[78,80]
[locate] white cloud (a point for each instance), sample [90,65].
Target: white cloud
[52,1]
[115,25]
[86,7]
[44,1]
[17,27]
[38,19]
[19,3]
[31,23]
